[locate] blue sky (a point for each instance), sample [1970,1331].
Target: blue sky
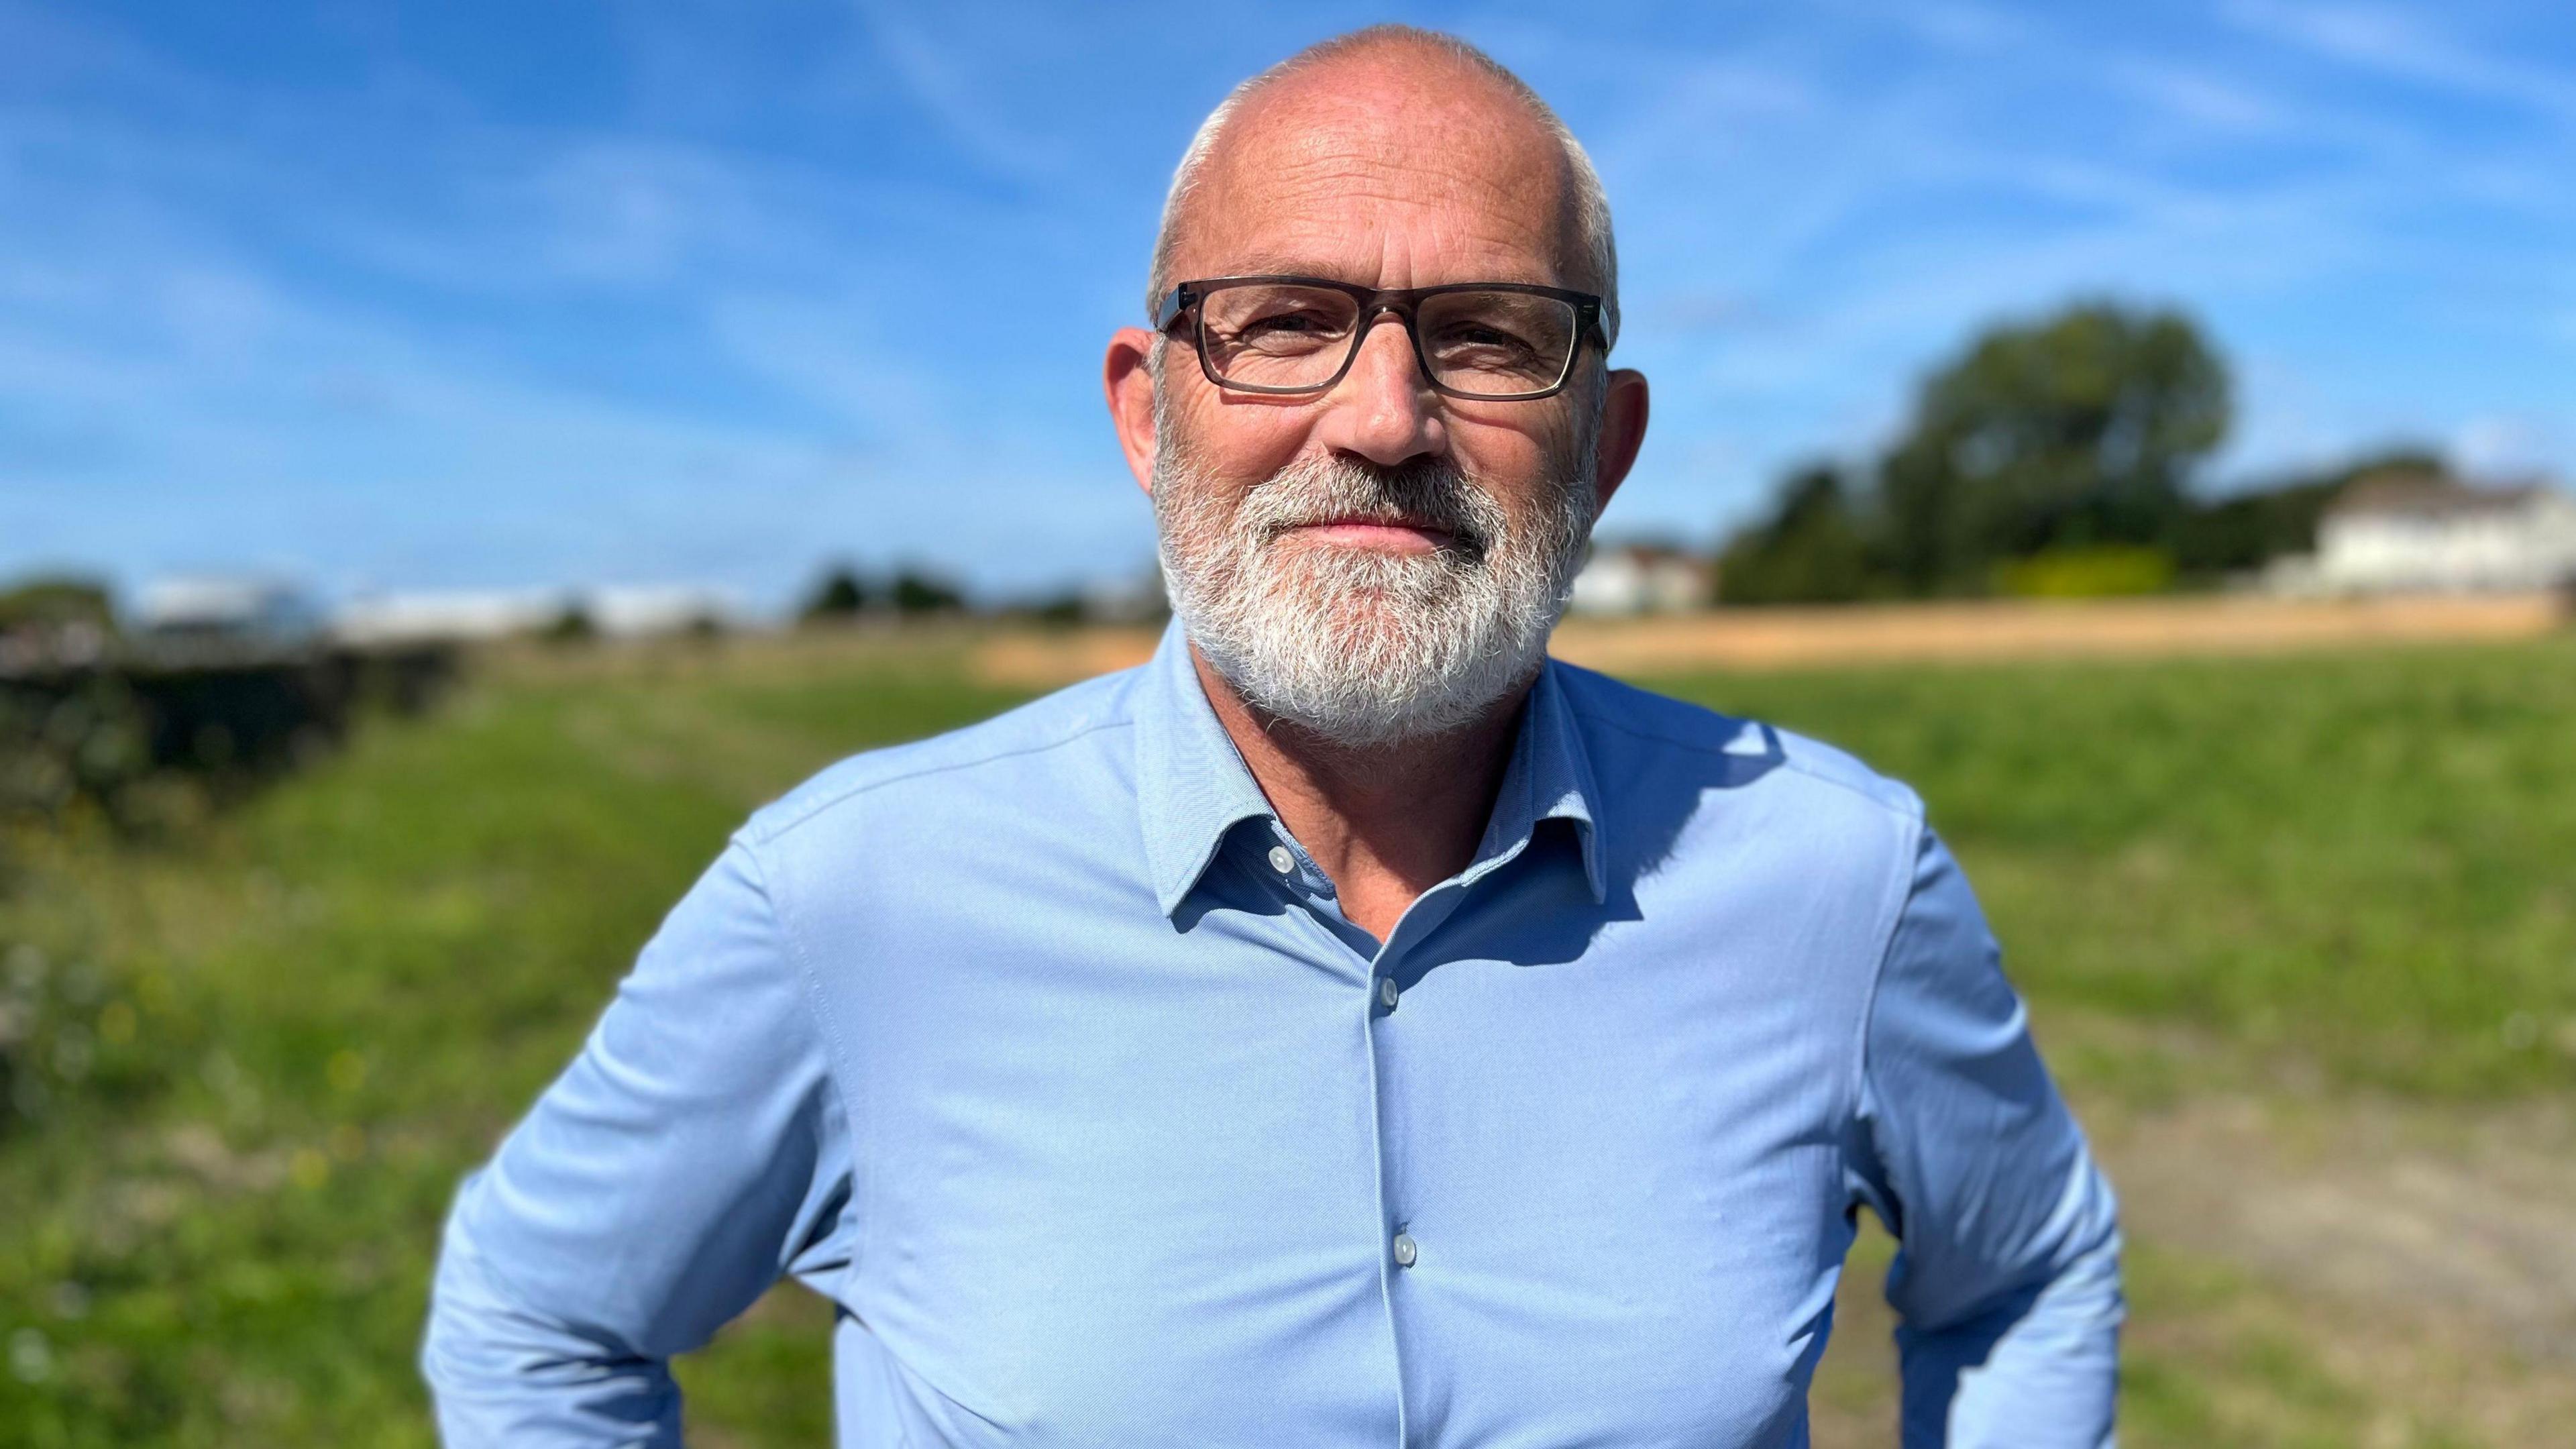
[467,294]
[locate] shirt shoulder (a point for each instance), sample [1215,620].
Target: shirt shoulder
[1637,718]
[1069,718]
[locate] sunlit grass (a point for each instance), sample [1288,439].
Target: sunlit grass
[217,1230]
[2358,865]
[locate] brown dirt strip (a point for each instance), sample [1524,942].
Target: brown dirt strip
[1905,633]
[1917,633]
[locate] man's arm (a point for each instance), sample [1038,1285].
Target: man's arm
[2007,1274]
[690,1152]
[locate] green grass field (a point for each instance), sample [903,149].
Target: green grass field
[256,1056]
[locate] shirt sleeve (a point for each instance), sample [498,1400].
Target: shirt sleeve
[2007,1278]
[692,1151]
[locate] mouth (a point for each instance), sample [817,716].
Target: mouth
[1378,534]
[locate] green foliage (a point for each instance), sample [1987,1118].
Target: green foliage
[132,741]
[53,602]
[2245,532]
[2074,433]
[841,595]
[85,743]
[2048,460]
[2099,572]
[1813,551]
[916,592]
[572,625]
[1060,609]
[2080,429]
[2241,533]
[845,593]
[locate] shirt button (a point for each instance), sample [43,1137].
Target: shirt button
[1386,991]
[1405,1252]
[1281,861]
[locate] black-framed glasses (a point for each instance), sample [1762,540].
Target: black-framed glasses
[1490,341]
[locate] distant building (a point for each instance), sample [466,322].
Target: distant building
[464,616]
[644,612]
[261,613]
[2423,533]
[453,616]
[1642,578]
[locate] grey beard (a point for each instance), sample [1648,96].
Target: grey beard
[1359,647]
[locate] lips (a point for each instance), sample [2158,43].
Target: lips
[1397,532]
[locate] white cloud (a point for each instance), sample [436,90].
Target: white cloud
[2406,46]
[974,113]
[2200,97]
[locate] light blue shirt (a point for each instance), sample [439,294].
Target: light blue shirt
[1043,1051]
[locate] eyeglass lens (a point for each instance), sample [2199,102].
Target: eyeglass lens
[1281,335]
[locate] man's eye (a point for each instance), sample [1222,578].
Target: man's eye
[1481,340]
[1288,324]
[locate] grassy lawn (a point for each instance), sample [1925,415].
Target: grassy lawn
[259,1056]
[2353,865]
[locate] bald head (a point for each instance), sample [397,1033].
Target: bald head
[1396,118]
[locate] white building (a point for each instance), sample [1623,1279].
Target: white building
[472,615]
[449,615]
[2418,533]
[1640,578]
[230,611]
[649,610]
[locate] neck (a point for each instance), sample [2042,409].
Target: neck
[1386,823]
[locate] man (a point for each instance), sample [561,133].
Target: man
[1349,1028]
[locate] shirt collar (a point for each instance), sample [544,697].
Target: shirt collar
[1549,778]
[1191,783]
[1192,786]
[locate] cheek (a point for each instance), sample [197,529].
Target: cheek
[1237,440]
[1523,466]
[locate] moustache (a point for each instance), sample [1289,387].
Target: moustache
[1426,493]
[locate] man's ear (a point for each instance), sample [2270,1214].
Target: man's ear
[1129,385]
[1623,431]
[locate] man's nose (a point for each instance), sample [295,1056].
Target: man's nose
[1383,409]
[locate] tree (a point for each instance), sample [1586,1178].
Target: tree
[918,592]
[2078,430]
[573,625]
[1815,548]
[2240,533]
[56,601]
[841,595]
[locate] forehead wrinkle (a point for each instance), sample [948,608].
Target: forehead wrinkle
[1394,139]
[1336,203]
[1329,190]
[1426,248]
[1442,142]
[1408,177]
[1371,245]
